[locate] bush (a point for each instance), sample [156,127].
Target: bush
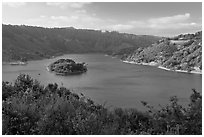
[31,109]
[175,119]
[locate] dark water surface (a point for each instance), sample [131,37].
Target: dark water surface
[114,82]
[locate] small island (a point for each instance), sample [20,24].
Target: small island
[67,67]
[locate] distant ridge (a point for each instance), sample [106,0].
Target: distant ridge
[32,42]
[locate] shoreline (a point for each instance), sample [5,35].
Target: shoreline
[15,63]
[182,71]
[51,57]
[48,68]
[161,67]
[145,64]
[129,62]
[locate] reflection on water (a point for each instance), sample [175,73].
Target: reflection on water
[109,80]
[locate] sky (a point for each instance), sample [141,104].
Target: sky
[161,19]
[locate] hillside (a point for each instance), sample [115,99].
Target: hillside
[183,52]
[36,42]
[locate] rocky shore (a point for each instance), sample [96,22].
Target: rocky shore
[161,67]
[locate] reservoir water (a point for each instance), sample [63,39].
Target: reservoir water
[114,83]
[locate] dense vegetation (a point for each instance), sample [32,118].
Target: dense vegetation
[36,42]
[30,108]
[67,67]
[183,52]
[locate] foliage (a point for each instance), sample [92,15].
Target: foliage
[183,52]
[38,43]
[175,119]
[67,66]
[30,108]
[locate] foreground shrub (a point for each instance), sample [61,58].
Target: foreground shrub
[29,108]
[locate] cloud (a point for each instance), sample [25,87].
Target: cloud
[75,16]
[173,26]
[172,22]
[180,21]
[171,19]
[78,4]
[64,5]
[81,11]
[77,20]
[81,19]
[120,27]
[14,4]
[60,18]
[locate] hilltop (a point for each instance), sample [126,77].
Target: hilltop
[33,43]
[180,53]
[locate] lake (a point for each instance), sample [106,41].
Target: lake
[114,83]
